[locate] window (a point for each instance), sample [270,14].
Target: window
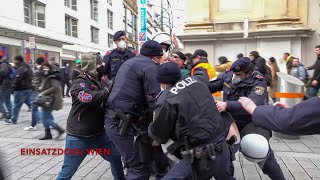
[71,26]
[27,11]
[110,40]
[110,2]
[94,9]
[94,35]
[135,32]
[74,5]
[71,4]
[39,15]
[110,19]
[34,13]
[67,3]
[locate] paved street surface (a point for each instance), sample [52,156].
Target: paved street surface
[299,159]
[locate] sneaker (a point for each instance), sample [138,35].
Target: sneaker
[8,122]
[30,128]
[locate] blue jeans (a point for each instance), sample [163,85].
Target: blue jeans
[5,101]
[47,118]
[313,91]
[19,98]
[72,162]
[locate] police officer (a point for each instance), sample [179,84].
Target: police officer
[130,110]
[242,80]
[85,124]
[116,57]
[301,119]
[197,128]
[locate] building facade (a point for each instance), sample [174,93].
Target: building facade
[63,29]
[274,27]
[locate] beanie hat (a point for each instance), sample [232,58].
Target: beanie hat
[181,55]
[117,35]
[88,62]
[168,73]
[39,60]
[151,48]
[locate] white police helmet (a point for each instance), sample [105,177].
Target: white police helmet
[254,147]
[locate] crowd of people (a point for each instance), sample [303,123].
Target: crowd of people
[134,104]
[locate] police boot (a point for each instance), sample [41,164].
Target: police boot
[47,135]
[60,131]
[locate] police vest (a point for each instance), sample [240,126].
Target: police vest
[211,72]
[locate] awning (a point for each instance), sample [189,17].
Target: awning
[68,57]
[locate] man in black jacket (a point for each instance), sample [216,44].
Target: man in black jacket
[133,95]
[315,83]
[5,88]
[22,90]
[85,124]
[38,75]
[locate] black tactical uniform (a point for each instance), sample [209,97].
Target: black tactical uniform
[133,94]
[187,114]
[255,88]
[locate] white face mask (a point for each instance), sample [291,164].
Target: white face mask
[236,79]
[46,71]
[122,44]
[163,87]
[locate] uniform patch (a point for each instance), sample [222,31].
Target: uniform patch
[259,90]
[82,85]
[84,97]
[227,85]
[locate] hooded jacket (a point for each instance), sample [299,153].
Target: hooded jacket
[51,86]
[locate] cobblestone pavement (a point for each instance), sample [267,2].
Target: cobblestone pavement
[299,159]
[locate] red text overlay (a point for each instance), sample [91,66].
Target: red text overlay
[60,151]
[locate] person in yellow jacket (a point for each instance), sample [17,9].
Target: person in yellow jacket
[224,64]
[200,60]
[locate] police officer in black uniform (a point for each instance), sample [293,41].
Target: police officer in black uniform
[130,111]
[85,124]
[116,57]
[198,128]
[242,80]
[301,119]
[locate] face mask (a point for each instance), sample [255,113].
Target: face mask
[38,66]
[236,79]
[46,72]
[163,87]
[122,44]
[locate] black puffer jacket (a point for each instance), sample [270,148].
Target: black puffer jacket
[23,80]
[5,83]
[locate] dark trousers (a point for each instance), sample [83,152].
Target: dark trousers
[269,166]
[63,83]
[125,144]
[221,168]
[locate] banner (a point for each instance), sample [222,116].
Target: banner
[143,22]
